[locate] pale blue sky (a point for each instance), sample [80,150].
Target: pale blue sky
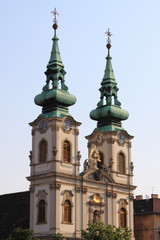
[25,45]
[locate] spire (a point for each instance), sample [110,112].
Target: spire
[55,98]
[55,54]
[108,113]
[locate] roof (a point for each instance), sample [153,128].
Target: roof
[14,212]
[146,206]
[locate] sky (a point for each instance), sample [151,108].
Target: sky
[25,46]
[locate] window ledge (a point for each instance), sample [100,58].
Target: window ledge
[41,223]
[67,223]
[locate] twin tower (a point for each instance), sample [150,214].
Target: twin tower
[63,199]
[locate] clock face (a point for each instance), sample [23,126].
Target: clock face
[121,138]
[67,124]
[99,138]
[43,125]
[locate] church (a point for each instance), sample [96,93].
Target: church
[63,199]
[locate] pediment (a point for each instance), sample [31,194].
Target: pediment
[98,175]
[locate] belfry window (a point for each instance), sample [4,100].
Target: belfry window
[43,148]
[123,218]
[66,151]
[121,163]
[41,211]
[67,211]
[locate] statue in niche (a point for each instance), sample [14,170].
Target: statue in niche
[96,216]
[93,158]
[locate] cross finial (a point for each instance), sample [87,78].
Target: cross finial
[109,34]
[55,13]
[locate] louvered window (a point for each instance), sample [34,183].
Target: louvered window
[66,151]
[41,211]
[123,220]
[42,151]
[67,211]
[121,163]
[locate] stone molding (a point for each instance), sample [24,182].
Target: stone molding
[111,194]
[111,141]
[55,186]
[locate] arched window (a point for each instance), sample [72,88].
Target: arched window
[41,211]
[67,211]
[123,218]
[101,156]
[66,151]
[121,163]
[43,148]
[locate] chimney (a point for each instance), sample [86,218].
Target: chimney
[154,196]
[139,197]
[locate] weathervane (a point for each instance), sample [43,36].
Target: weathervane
[55,13]
[109,34]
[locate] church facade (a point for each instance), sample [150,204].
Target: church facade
[63,199]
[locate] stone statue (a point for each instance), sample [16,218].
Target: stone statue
[93,158]
[85,165]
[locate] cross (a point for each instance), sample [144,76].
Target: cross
[109,34]
[55,13]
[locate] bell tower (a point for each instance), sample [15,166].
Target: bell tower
[55,157]
[113,144]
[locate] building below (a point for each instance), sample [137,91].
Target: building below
[147,218]
[14,212]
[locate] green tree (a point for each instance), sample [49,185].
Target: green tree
[22,234]
[100,231]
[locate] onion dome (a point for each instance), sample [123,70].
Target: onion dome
[109,113]
[55,98]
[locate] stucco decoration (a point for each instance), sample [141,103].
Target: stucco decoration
[54,151]
[123,203]
[131,168]
[67,195]
[30,156]
[98,175]
[41,195]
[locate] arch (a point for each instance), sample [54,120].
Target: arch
[66,151]
[67,211]
[41,211]
[123,218]
[121,163]
[43,150]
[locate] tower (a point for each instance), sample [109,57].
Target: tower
[54,159]
[110,144]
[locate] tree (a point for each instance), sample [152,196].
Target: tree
[100,231]
[22,234]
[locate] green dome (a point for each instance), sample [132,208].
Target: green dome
[109,114]
[55,97]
